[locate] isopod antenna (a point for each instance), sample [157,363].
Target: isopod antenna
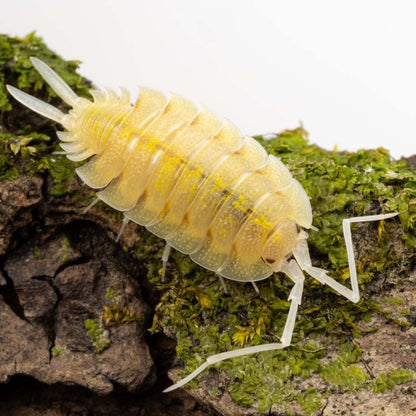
[61,88]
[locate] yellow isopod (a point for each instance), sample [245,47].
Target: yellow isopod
[196,182]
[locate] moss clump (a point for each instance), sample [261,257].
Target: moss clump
[59,350]
[341,184]
[110,294]
[99,336]
[341,372]
[385,381]
[310,400]
[118,312]
[25,138]
[66,246]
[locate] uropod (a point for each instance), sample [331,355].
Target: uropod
[199,184]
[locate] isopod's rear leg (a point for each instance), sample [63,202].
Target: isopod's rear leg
[165,258]
[255,287]
[93,203]
[223,285]
[166,250]
[301,253]
[123,226]
[293,271]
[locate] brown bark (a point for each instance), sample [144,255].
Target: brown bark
[57,265]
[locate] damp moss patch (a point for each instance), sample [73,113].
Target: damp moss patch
[27,140]
[340,184]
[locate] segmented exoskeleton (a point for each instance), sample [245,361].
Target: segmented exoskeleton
[196,182]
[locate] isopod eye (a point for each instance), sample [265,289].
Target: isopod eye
[298,229]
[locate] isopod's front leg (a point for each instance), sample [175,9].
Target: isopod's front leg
[293,271]
[301,253]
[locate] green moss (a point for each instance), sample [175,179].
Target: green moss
[340,372]
[37,253]
[62,171]
[66,245]
[25,138]
[391,309]
[391,300]
[110,294]
[341,184]
[310,400]
[385,381]
[117,312]
[59,350]
[99,336]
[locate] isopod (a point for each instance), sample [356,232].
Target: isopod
[196,182]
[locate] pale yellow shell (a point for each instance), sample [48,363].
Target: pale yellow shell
[191,179]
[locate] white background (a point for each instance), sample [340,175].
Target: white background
[345,69]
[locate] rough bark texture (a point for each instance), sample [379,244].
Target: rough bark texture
[51,283]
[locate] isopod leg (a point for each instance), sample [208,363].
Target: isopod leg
[123,226]
[165,258]
[224,287]
[301,254]
[255,287]
[293,271]
[90,205]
